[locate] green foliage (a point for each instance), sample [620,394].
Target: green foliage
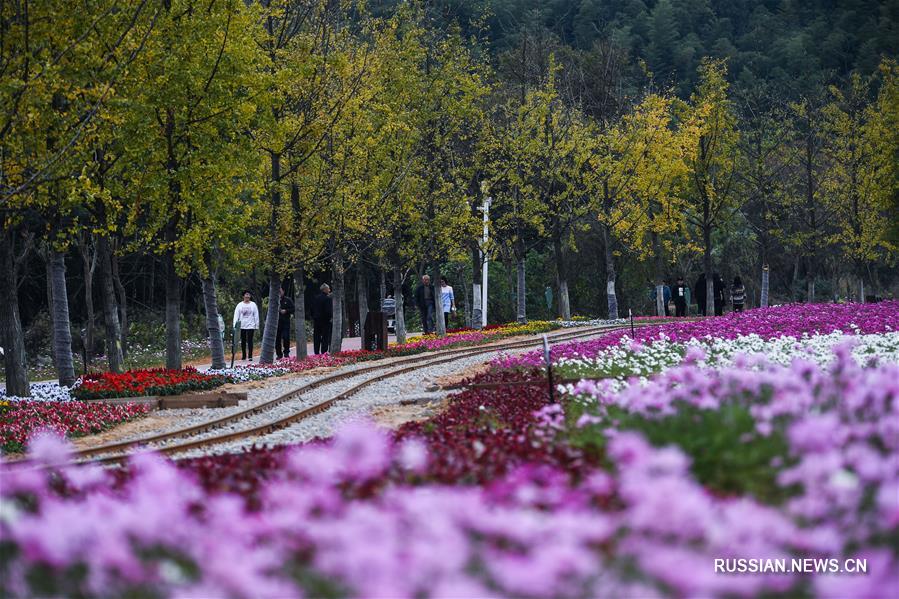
[727,455]
[188,165]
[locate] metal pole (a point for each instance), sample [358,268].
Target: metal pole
[233,344]
[631,316]
[486,210]
[549,369]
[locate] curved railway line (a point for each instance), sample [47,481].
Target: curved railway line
[121,450]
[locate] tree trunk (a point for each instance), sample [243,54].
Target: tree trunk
[399,317]
[152,295]
[466,302]
[122,301]
[362,297]
[114,357]
[707,268]
[861,290]
[270,334]
[438,303]
[763,301]
[521,291]
[172,314]
[339,297]
[299,303]
[611,295]
[382,286]
[810,289]
[88,266]
[62,332]
[476,275]
[510,267]
[49,284]
[11,336]
[660,274]
[562,281]
[216,343]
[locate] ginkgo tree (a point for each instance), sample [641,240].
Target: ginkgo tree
[59,69]
[516,217]
[423,120]
[861,149]
[638,168]
[549,138]
[313,69]
[189,172]
[712,157]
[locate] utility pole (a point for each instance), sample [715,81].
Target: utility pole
[485,208]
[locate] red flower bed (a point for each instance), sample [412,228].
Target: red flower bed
[487,432]
[156,381]
[20,419]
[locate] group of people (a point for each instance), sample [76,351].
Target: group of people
[681,295]
[426,302]
[246,319]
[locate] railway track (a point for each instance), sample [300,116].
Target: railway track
[116,452]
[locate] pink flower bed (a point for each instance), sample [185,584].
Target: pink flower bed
[307,363]
[793,320]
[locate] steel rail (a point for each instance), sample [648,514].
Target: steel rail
[407,365]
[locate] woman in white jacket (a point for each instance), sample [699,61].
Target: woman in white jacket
[247,315]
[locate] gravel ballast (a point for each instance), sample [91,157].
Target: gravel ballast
[417,385]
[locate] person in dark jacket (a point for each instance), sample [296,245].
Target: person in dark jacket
[426,300]
[282,339]
[322,311]
[718,286]
[700,290]
[738,294]
[681,291]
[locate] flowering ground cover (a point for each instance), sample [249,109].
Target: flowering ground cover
[635,523]
[155,381]
[629,486]
[20,419]
[793,320]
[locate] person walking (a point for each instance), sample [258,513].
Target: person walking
[700,290]
[246,314]
[738,294]
[447,301]
[282,339]
[322,311]
[718,287]
[426,300]
[681,293]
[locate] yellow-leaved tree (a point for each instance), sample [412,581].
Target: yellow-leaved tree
[712,157]
[60,68]
[861,146]
[188,170]
[634,167]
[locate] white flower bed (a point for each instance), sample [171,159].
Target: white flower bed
[596,322]
[632,359]
[242,374]
[42,392]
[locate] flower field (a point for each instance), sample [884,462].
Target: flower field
[772,435]
[134,383]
